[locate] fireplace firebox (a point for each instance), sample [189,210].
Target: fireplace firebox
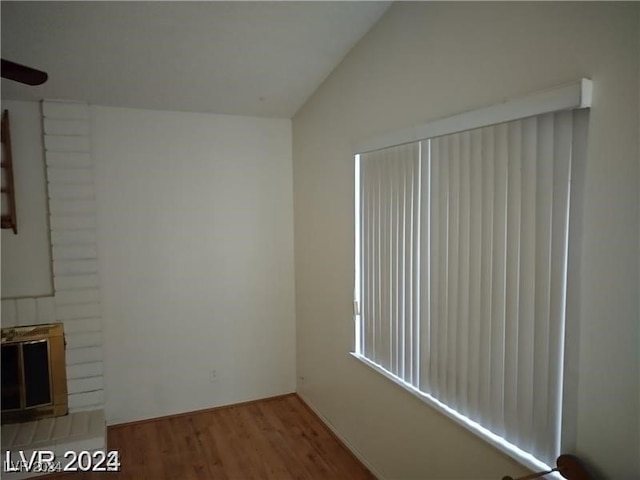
[34,380]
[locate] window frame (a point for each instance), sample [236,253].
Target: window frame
[569,97]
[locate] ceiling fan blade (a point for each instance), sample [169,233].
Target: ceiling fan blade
[23,74]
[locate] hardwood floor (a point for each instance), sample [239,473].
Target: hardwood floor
[277,438]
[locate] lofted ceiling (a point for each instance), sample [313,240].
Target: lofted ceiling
[242,58]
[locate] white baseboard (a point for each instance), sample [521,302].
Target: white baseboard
[342,438]
[355,451]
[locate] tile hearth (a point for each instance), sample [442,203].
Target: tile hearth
[77,431]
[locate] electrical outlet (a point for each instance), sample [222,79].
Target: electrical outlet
[213,376]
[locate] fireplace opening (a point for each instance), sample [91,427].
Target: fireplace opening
[34,383]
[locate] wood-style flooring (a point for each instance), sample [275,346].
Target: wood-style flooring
[277,438]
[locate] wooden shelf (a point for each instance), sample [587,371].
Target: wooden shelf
[9,220]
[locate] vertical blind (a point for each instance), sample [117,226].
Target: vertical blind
[463,271]
[390,235]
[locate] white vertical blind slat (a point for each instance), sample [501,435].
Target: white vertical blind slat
[402,267]
[544,197]
[415,265]
[498,279]
[475,272]
[514,200]
[434,258]
[526,309]
[462,344]
[406,182]
[407,293]
[424,263]
[377,272]
[443,273]
[395,176]
[453,257]
[386,318]
[366,238]
[561,168]
[486,268]
[375,257]
[380,271]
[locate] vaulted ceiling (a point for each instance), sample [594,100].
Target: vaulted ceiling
[243,58]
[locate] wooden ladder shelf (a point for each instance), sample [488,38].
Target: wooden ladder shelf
[9,217]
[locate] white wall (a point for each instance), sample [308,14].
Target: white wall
[26,257]
[195,241]
[424,61]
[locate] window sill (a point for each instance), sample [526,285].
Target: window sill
[501,444]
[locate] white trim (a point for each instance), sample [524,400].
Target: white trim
[501,444]
[566,97]
[358,262]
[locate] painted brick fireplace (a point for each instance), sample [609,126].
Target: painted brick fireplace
[76,299]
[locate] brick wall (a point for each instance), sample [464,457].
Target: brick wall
[72,223]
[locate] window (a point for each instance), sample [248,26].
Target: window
[462,248]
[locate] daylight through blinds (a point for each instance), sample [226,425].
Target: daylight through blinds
[463,271]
